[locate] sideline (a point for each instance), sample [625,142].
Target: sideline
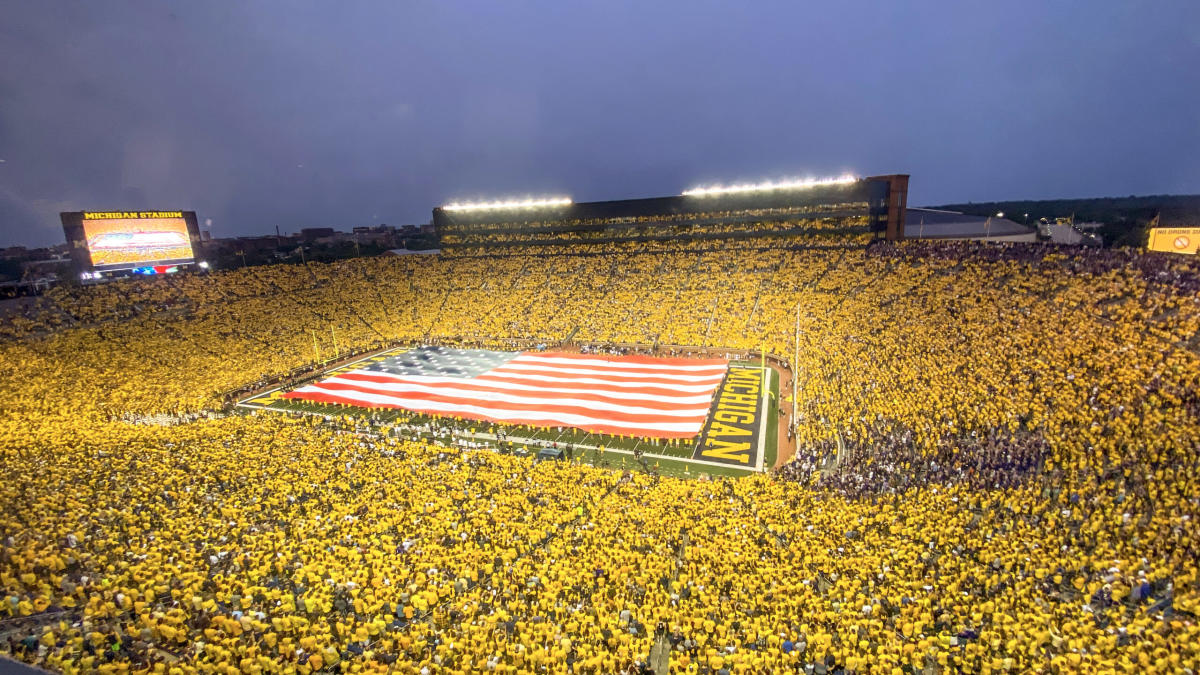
[532,443]
[244,403]
[774,368]
[762,425]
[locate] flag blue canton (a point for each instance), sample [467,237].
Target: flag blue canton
[442,362]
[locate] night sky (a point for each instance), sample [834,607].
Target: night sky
[305,114]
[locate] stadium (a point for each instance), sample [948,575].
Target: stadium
[744,429]
[671,426]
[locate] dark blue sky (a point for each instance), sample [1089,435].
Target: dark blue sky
[298,114]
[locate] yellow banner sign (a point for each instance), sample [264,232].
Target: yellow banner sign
[1175,239]
[128,215]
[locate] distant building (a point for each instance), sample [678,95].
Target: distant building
[382,236]
[1068,234]
[246,244]
[46,268]
[952,225]
[405,251]
[314,233]
[379,235]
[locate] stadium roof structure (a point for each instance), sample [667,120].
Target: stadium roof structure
[936,224]
[883,198]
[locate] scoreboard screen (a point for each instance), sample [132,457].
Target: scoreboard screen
[129,240]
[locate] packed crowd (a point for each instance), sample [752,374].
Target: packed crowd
[475,225]
[810,239]
[664,230]
[996,471]
[890,462]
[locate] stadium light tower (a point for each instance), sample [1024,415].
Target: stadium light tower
[795,184]
[541,203]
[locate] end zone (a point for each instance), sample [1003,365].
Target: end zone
[736,431]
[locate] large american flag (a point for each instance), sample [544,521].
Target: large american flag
[624,395]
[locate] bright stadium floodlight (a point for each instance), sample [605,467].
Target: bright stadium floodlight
[514,204]
[769,185]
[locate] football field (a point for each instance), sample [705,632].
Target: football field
[681,417]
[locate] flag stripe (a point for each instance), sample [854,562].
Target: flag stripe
[643,396]
[587,392]
[613,383]
[595,424]
[624,361]
[656,377]
[614,411]
[515,380]
[696,367]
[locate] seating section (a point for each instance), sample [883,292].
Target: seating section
[847,222]
[996,470]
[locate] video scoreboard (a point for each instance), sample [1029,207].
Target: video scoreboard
[119,243]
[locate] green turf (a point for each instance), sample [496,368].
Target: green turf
[681,467]
[566,435]
[665,467]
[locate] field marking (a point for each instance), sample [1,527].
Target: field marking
[762,426]
[761,411]
[759,462]
[535,443]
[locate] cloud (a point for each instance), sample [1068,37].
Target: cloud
[300,113]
